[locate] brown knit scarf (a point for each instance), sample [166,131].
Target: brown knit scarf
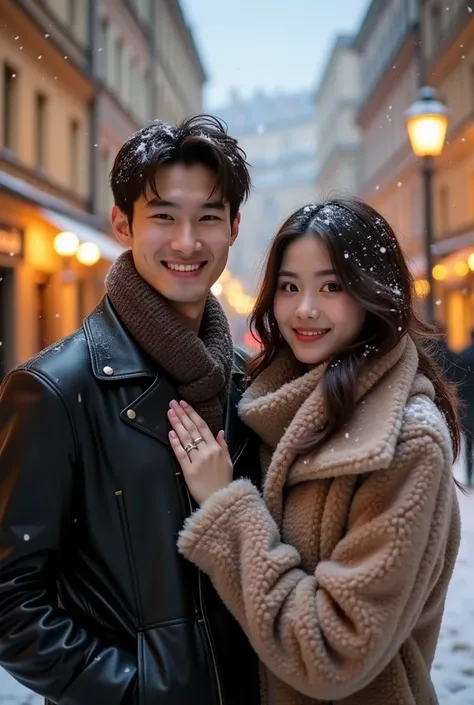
[200,365]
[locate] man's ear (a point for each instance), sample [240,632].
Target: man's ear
[121,227]
[235,229]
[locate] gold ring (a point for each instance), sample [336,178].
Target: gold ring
[198,440]
[189,447]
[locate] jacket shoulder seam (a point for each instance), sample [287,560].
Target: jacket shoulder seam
[56,390]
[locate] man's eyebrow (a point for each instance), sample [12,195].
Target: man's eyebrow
[159,202]
[156,201]
[215,205]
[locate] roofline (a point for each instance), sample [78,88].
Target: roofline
[342,41]
[373,11]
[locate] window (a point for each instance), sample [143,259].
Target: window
[133,77]
[42,309]
[104,48]
[104,180]
[140,105]
[472,88]
[444,210]
[126,76]
[436,26]
[144,9]
[10,91]
[74,154]
[270,210]
[72,7]
[119,66]
[81,300]
[41,137]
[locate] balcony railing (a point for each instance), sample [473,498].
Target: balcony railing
[458,19]
[374,71]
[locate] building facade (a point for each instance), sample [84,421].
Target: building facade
[179,73]
[147,66]
[77,78]
[278,134]
[448,57]
[388,42]
[417,43]
[337,100]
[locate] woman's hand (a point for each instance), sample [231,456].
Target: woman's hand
[204,460]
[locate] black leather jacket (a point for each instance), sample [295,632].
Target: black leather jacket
[96,605]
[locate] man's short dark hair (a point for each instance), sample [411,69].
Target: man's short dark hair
[200,139]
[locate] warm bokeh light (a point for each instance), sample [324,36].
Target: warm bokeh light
[440,272]
[461,269]
[66,243]
[470,261]
[88,254]
[217,288]
[252,342]
[422,288]
[225,276]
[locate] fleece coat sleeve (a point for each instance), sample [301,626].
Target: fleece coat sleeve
[330,632]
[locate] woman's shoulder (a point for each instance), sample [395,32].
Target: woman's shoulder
[422,417]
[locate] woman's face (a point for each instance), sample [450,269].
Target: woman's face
[315,315]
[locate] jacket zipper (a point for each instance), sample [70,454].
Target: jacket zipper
[128,547]
[204,621]
[239,452]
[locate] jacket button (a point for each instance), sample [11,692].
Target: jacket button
[131,414]
[108,371]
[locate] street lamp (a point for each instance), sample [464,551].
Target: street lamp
[427,124]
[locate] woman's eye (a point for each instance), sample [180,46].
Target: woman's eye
[331,287]
[289,286]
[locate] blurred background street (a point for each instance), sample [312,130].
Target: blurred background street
[317,93]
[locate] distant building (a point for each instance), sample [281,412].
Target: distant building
[278,133]
[338,136]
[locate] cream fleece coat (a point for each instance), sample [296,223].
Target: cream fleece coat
[339,573]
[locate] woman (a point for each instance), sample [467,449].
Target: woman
[339,573]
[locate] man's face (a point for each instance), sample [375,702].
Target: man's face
[180,240]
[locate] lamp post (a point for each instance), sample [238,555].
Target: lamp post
[427,124]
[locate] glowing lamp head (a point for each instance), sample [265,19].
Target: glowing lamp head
[427,123]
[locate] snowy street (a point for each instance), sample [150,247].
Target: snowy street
[453,671]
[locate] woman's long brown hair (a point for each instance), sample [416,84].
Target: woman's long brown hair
[370,265]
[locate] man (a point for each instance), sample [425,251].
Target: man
[96,606]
